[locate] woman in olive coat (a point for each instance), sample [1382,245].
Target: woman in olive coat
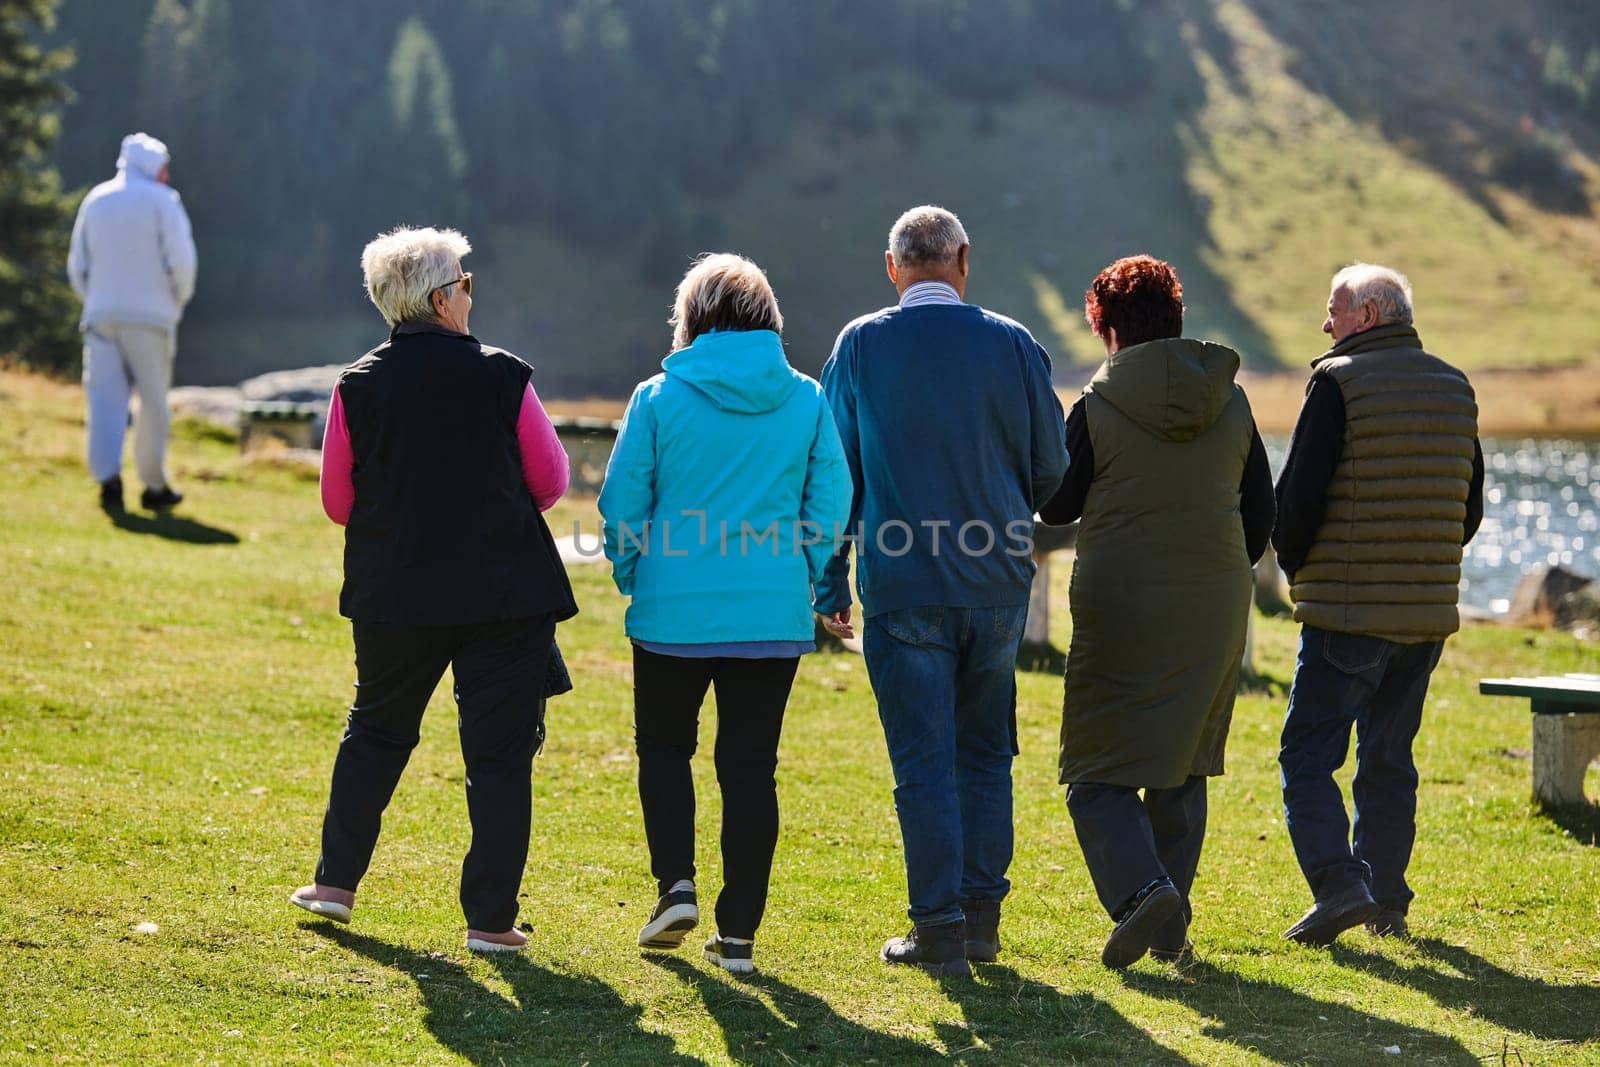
[1171,483]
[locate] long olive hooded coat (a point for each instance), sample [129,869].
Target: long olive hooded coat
[1161,589]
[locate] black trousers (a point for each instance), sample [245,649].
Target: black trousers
[499,689]
[1129,842]
[751,696]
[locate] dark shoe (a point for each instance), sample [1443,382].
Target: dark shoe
[111,493]
[938,949]
[1142,919]
[736,959]
[1329,918]
[1171,943]
[674,916]
[162,499]
[983,929]
[1389,923]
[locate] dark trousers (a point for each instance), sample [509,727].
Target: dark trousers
[499,687]
[1129,842]
[1344,680]
[751,696]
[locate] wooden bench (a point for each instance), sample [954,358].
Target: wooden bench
[1566,731]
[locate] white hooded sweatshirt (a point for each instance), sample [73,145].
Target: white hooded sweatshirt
[132,258]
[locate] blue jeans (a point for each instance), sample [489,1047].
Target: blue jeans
[945,679]
[1377,686]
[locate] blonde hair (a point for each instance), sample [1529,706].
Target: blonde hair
[723,291]
[403,267]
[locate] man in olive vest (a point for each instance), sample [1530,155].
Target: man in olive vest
[1382,487]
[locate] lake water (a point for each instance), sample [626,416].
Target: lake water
[1541,505]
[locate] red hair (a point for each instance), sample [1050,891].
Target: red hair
[1138,296]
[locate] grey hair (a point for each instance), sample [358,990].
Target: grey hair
[723,291]
[925,236]
[403,267]
[1386,289]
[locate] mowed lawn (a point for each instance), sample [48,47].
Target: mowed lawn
[172,691]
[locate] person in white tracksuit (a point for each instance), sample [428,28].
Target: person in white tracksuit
[132,263]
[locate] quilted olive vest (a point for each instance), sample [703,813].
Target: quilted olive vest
[1387,559]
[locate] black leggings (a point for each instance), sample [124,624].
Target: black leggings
[751,696]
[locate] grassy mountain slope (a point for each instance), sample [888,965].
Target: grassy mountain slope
[1274,142]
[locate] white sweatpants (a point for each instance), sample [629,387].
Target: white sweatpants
[119,358]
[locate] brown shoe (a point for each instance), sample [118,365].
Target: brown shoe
[983,929]
[512,940]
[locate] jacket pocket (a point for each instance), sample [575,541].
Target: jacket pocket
[1353,653]
[913,626]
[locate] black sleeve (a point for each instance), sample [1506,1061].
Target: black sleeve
[1257,508]
[1066,506]
[1302,487]
[1474,494]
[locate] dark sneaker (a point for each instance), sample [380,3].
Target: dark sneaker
[675,915]
[1389,923]
[738,959]
[983,929]
[1141,920]
[162,499]
[1329,918]
[938,949]
[111,493]
[1171,943]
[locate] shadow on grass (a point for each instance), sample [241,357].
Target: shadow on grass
[1029,1021]
[1287,1026]
[554,1017]
[172,527]
[797,1027]
[1583,822]
[1457,978]
[1018,1018]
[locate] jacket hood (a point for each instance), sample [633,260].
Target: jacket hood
[142,155]
[743,371]
[1174,388]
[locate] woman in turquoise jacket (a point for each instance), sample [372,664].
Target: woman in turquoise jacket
[725,497]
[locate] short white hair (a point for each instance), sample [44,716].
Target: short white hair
[925,236]
[1385,289]
[403,267]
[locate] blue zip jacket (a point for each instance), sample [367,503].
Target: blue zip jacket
[954,438]
[726,495]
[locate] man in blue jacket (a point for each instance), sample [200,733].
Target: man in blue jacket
[954,438]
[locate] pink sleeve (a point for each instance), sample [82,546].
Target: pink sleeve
[338,490]
[544,461]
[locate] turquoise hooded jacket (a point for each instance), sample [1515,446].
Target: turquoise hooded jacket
[726,495]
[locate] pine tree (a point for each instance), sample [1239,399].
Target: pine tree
[426,188]
[38,314]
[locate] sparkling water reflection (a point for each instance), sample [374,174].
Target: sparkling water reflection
[1541,505]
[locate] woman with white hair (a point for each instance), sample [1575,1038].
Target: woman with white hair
[438,461]
[723,502]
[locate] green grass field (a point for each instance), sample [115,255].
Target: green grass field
[172,690]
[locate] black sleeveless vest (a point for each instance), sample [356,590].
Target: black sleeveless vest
[443,531]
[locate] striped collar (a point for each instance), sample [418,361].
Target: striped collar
[924,293]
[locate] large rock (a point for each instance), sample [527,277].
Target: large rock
[221,404]
[1539,597]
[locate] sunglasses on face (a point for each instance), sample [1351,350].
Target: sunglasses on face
[465,282]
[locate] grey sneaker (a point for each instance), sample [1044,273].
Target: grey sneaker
[983,929]
[1141,920]
[674,916]
[938,949]
[1329,918]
